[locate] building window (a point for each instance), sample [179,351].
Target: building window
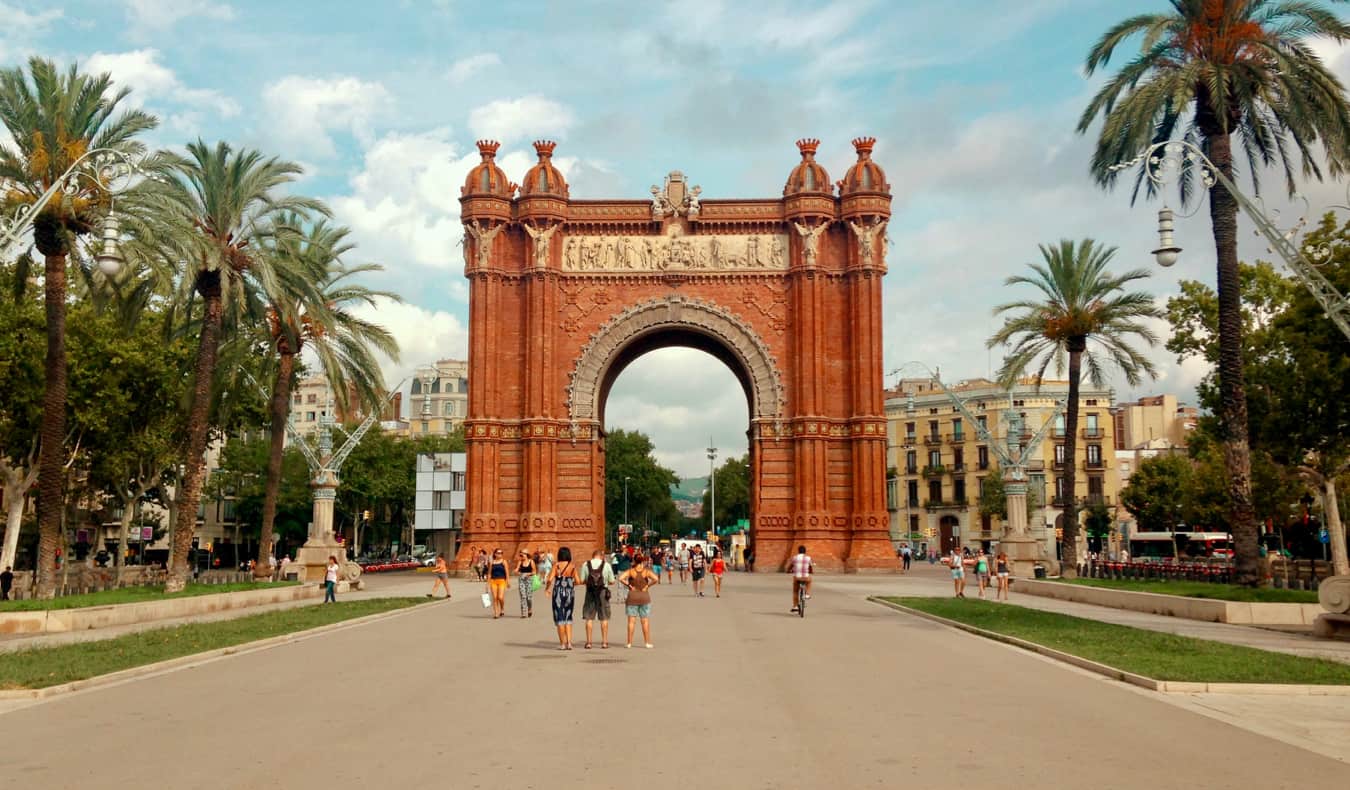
[983,457]
[934,458]
[957,430]
[1059,425]
[1059,453]
[1095,485]
[932,411]
[909,431]
[426,427]
[913,493]
[1094,455]
[934,491]
[984,422]
[1092,418]
[440,500]
[456,481]
[309,416]
[1059,490]
[299,398]
[958,459]
[913,525]
[959,490]
[1019,403]
[449,408]
[911,462]
[312,398]
[1092,401]
[417,387]
[932,429]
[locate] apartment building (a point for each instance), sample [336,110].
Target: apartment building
[439,400]
[1154,419]
[313,398]
[939,461]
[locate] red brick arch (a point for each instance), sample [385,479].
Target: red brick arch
[787,292]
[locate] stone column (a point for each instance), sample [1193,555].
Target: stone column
[1022,549]
[321,543]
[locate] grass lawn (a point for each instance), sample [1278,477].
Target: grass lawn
[131,595]
[50,666]
[1219,592]
[1150,653]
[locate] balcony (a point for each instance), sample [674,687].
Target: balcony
[932,439]
[911,470]
[1057,432]
[945,504]
[1097,463]
[959,437]
[911,438]
[982,465]
[934,471]
[1036,466]
[1093,433]
[1058,464]
[958,468]
[1096,499]
[913,503]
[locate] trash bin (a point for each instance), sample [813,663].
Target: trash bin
[1039,571]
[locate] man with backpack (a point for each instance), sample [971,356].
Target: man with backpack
[598,576]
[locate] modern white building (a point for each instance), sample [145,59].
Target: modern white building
[439,509]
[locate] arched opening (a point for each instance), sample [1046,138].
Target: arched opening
[686,393]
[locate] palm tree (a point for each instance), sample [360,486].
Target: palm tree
[230,200]
[56,118]
[1081,303]
[311,305]
[1208,70]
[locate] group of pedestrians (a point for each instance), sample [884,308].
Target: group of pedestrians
[984,566]
[596,577]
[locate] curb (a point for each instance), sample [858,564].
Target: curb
[183,662]
[1165,686]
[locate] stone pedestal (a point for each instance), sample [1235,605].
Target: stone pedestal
[312,558]
[1334,595]
[1024,551]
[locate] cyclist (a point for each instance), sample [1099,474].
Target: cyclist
[800,567]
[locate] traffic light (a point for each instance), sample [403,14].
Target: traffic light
[365,515]
[1059,533]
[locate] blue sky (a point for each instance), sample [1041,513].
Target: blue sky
[973,103]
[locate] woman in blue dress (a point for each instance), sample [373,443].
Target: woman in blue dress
[561,587]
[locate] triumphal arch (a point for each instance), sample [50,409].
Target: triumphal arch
[564,294]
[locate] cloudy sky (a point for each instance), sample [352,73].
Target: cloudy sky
[973,103]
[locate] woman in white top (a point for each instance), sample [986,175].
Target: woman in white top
[330,578]
[958,573]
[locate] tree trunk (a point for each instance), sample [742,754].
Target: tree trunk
[1070,564]
[128,516]
[1233,418]
[1331,512]
[18,479]
[51,475]
[185,524]
[280,407]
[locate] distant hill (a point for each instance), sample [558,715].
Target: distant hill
[689,489]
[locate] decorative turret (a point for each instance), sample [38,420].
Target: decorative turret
[544,178]
[486,193]
[543,193]
[808,193]
[863,191]
[809,175]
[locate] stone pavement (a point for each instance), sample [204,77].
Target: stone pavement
[737,693]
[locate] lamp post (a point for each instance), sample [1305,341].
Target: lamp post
[625,500]
[109,171]
[712,482]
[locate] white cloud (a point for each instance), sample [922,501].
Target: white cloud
[158,15]
[141,71]
[510,120]
[302,111]
[21,27]
[423,336]
[464,68]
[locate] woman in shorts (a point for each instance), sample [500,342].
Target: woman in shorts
[718,567]
[442,577]
[638,580]
[1001,566]
[982,571]
[958,573]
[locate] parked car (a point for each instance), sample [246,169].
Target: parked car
[428,560]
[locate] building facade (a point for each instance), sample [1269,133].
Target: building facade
[439,401]
[939,464]
[439,514]
[313,398]
[1154,419]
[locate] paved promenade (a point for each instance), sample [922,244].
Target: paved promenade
[737,693]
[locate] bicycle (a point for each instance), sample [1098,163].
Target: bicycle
[801,598]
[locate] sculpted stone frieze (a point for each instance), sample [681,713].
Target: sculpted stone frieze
[762,252]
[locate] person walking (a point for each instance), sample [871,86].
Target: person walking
[638,580]
[982,571]
[1001,566]
[525,570]
[6,582]
[958,573]
[683,559]
[561,588]
[718,568]
[697,566]
[330,578]
[598,576]
[906,555]
[656,562]
[545,563]
[499,581]
[749,556]
[442,573]
[480,565]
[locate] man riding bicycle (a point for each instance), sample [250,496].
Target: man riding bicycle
[800,568]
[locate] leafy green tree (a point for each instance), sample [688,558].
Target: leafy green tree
[628,454]
[228,203]
[242,474]
[55,119]
[310,304]
[381,476]
[994,497]
[1158,494]
[21,396]
[1080,303]
[1207,71]
[733,491]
